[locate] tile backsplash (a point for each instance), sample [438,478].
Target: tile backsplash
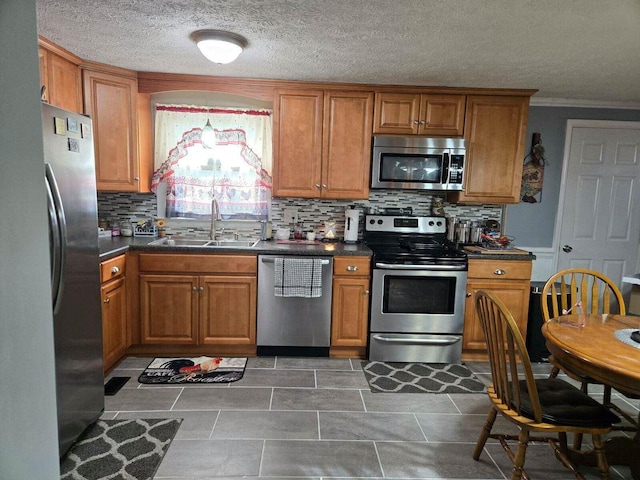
[311,212]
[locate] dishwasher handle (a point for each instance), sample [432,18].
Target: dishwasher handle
[271,260]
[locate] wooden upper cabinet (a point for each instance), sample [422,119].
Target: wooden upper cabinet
[112,103]
[297,143]
[60,75]
[346,144]
[495,129]
[322,144]
[419,114]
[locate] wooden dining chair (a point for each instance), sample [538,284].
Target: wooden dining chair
[550,407]
[598,295]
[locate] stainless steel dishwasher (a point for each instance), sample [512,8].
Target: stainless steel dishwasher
[293,325]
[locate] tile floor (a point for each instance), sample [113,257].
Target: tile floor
[315,418]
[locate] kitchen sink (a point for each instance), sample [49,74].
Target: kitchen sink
[232,243]
[202,242]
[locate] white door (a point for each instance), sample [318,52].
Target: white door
[598,225]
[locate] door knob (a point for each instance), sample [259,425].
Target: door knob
[567,248]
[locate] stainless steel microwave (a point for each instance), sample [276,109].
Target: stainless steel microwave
[418,163]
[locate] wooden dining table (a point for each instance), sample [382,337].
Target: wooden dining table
[589,346]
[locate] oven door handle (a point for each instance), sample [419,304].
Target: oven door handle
[390,266]
[431,340]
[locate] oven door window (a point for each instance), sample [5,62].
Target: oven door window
[401,167]
[428,295]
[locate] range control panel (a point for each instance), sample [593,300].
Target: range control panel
[403,224]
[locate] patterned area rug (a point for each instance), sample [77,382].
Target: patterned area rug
[421,378]
[199,370]
[119,449]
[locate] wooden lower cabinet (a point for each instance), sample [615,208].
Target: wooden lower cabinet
[195,300]
[169,309]
[114,311]
[228,310]
[350,306]
[509,280]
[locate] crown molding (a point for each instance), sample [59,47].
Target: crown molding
[568,102]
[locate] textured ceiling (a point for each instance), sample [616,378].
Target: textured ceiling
[580,50]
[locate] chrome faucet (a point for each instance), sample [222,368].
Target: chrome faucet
[215,216]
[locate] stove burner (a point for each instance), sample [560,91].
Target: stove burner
[397,244]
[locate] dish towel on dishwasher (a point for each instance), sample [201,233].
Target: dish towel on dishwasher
[298,277]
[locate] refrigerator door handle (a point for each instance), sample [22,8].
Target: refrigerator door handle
[58,235]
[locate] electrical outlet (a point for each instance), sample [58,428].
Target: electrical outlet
[290,216]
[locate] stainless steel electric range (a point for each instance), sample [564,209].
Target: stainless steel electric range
[418,290]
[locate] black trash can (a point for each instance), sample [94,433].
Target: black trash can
[536,345]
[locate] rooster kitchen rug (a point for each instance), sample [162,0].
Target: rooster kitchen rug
[197,371]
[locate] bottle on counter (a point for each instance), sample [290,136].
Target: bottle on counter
[115,229]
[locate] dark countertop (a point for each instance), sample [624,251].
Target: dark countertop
[500,256]
[114,246]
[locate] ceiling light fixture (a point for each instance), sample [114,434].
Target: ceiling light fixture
[219,46]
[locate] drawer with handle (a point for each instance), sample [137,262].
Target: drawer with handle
[500,269]
[352,266]
[112,268]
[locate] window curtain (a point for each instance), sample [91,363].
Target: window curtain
[187,174]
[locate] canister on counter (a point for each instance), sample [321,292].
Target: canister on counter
[126,229]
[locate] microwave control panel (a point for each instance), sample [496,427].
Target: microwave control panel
[456,169]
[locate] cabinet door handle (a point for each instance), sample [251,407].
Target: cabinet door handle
[194,288]
[137,179]
[469,295]
[416,122]
[366,292]
[499,271]
[317,185]
[422,122]
[202,289]
[107,300]
[324,185]
[352,268]
[115,270]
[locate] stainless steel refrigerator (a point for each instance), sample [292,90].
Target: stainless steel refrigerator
[73,242]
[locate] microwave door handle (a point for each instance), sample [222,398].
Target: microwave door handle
[445,169]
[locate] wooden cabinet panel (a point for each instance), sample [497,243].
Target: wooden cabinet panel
[442,115]
[346,151]
[507,279]
[181,263]
[44,73]
[114,321]
[350,312]
[65,83]
[350,305]
[111,102]
[169,309]
[396,113]
[515,296]
[113,268]
[228,310]
[419,114]
[61,78]
[500,269]
[198,299]
[495,129]
[352,266]
[297,143]
[322,144]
